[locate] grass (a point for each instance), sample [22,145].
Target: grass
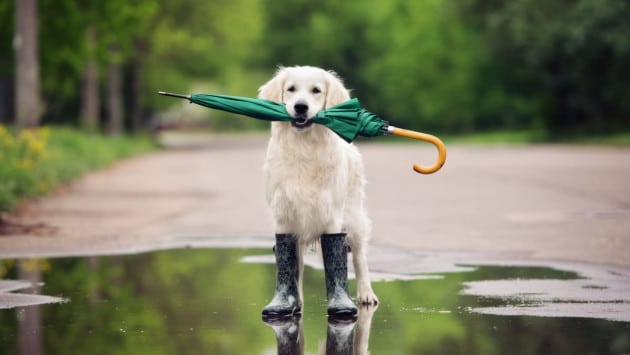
[533,136]
[498,137]
[36,161]
[615,139]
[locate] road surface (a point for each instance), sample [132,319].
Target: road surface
[539,202]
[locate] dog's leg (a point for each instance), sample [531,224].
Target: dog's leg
[286,299]
[359,229]
[362,332]
[365,295]
[335,257]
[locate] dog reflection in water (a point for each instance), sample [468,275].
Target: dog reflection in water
[344,335]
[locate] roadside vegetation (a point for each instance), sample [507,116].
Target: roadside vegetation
[537,136]
[35,161]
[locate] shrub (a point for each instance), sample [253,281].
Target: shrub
[34,161]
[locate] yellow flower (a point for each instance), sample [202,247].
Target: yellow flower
[25,134]
[36,146]
[44,133]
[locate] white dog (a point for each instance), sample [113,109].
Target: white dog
[315,189]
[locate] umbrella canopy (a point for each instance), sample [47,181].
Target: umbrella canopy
[348,119]
[255,108]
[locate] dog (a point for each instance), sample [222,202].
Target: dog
[315,181]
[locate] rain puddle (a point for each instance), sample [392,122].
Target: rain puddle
[208,301]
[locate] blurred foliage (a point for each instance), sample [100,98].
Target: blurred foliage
[573,57]
[561,67]
[34,161]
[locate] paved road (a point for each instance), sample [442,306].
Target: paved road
[548,202]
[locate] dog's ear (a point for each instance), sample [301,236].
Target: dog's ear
[337,93]
[272,90]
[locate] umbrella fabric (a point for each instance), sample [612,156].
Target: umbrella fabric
[348,119]
[256,108]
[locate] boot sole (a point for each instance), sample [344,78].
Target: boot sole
[342,312]
[282,313]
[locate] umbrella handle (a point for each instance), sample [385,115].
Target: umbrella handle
[427,138]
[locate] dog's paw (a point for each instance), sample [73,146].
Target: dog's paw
[366,297]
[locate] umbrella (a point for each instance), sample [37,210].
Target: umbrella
[348,119]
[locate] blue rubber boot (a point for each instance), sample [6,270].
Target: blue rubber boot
[336,272]
[286,300]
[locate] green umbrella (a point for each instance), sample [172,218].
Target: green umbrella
[348,119]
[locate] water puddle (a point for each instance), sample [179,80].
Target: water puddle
[208,300]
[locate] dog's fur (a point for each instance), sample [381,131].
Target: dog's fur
[314,179]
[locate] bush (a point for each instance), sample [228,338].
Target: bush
[36,160]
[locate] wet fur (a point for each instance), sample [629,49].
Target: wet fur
[315,181]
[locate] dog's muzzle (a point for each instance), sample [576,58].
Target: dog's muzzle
[301,121]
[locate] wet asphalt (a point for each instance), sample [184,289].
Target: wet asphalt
[538,202]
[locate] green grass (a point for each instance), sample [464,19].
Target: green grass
[35,162]
[498,137]
[73,153]
[615,139]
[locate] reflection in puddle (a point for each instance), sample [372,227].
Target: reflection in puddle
[344,335]
[191,301]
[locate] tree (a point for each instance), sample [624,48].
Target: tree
[90,101]
[411,62]
[27,88]
[114,92]
[571,56]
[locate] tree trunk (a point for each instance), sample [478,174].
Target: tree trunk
[114,95]
[90,105]
[27,91]
[140,50]
[136,91]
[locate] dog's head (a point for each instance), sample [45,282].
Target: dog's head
[305,91]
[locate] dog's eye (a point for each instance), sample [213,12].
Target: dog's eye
[291,88]
[316,90]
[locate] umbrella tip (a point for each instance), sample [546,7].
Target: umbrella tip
[174,95]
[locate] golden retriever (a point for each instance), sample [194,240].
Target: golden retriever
[315,180]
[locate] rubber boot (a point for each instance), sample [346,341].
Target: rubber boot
[336,272]
[286,300]
[340,336]
[289,334]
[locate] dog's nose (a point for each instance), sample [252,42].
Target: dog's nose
[300,108]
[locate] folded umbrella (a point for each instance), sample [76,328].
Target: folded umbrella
[348,119]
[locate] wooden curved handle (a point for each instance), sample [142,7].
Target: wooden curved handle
[427,138]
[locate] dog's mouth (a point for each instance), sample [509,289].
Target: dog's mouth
[301,123]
